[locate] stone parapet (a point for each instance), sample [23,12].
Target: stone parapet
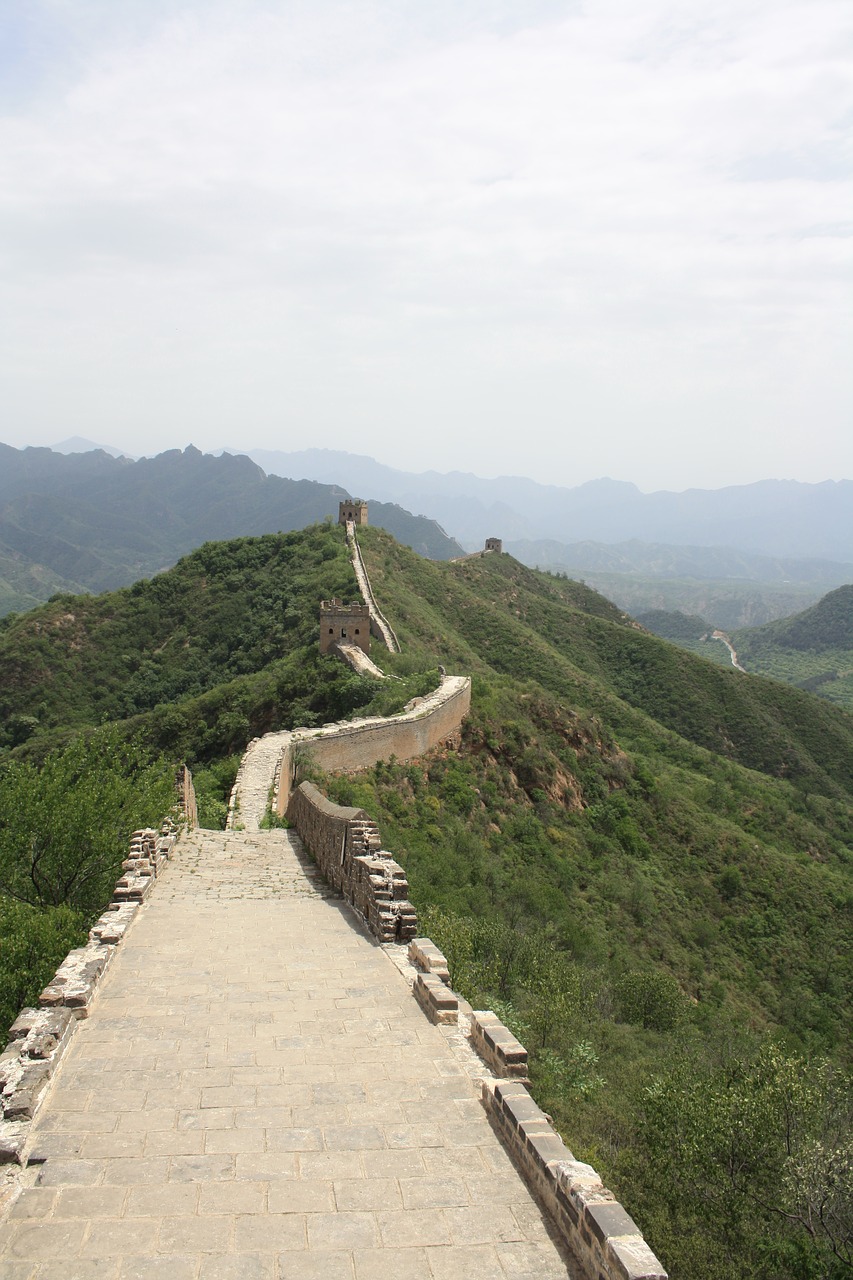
[345,844]
[603,1237]
[497,1046]
[425,955]
[38,1037]
[75,981]
[439,1003]
[605,1241]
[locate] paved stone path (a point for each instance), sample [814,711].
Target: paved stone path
[255,777]
[256,1095]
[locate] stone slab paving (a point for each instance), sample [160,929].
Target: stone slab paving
[256,1095]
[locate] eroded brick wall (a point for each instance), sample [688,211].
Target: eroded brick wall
[345,844]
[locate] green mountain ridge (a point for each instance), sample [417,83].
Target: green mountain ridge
[635,855]
[93,522]
[827,625]
[812,650]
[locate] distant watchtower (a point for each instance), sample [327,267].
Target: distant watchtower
[356,510]
[494,544]
[347,622]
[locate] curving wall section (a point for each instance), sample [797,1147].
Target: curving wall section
[352,745]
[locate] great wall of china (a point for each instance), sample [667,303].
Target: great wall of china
[233,1080]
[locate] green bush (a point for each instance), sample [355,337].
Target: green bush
[650,999]
[33,943]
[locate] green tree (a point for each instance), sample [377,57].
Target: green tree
[64,823]
[758,1147]
[33,942]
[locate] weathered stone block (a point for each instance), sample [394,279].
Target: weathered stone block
[610,1220]
[497,1046]
[438,1002]
[13,1139]
[521,1107]
[76,978]
[630,1258]
[425,955]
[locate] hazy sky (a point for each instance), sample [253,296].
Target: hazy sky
[551,239]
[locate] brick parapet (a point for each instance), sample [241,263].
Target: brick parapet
[438,1001]
[38,1037]
[346,846]
[497,1046]
[600,1234]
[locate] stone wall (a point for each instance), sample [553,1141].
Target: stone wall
[380,625]
[602,1237]
[358,744]
[38,1037]
[345,844]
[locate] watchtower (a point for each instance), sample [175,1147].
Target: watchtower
[494,544]
[354,510]
[347,622]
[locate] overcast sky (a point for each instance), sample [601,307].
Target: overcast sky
[549,239]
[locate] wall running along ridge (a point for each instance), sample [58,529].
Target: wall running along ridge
[379,624]
[39,1037]
[268,767]
[346,845]
[343,841]
[429,722]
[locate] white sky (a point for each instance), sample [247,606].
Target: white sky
[562,240]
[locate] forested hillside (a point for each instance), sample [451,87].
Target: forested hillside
[643,860]
[812,650]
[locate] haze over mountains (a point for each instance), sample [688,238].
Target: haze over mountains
[78,519]
[740,556]
[93,522]
[777,518]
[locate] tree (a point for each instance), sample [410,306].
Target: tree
[759,1144]
[64,823]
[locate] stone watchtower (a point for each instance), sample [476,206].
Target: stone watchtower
[354,510]
[494,544]
[349,623]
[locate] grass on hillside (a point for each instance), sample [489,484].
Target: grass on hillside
[640,858]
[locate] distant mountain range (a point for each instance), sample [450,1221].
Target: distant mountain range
[661,561]
[741,556]
[90,521]
[777,518]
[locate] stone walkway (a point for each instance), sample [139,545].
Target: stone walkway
[257,1096]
